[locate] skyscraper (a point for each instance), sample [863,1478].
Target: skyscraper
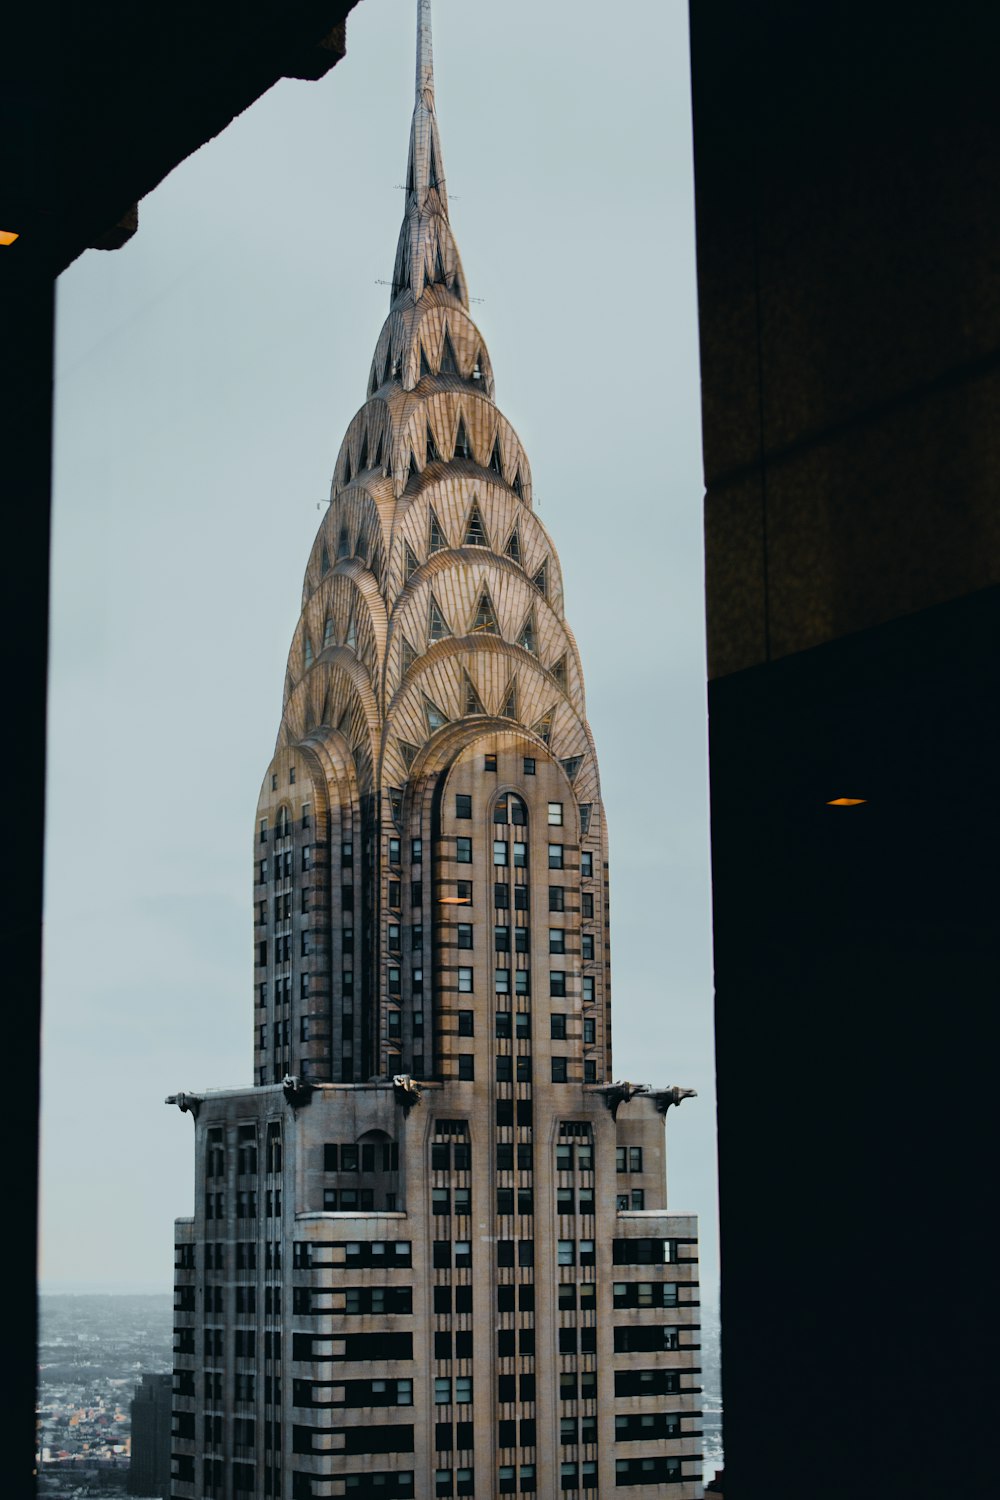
[431,1253]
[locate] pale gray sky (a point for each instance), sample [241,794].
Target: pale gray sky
[205,376]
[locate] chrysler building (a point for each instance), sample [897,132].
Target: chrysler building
[431,1253]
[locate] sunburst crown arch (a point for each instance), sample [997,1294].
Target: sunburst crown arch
[431,642]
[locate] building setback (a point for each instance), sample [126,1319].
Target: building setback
[431,1253]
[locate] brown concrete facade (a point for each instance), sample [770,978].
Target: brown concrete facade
[497,1320]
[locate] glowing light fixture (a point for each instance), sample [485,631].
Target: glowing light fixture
[7,236]
[847,801]
[454,901]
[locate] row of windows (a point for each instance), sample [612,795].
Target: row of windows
[516,853]
[509,809]
[378,1157]
[502,978]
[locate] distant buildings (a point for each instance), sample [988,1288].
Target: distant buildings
[431,1253]
[149,1473]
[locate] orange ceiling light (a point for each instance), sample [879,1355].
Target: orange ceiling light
[847,801]
[454,901]
[8,236]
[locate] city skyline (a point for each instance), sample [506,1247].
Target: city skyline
[232,912]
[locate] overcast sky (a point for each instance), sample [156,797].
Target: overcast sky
[206,374]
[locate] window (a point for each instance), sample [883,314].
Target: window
[589,1070]
[557,898]
[529,765]
[557,984]
[501,939]
[565,1201]
[463,890]
[587,1256]
[467,1066]
[463,851]
[394,982]
[557,940]
[557,1026]
[559,1069]
[416,851]
[586,863]
[501,981]
[588,945]
[521,982]
[587,904]
[463,805]
[638,1198]
[505,1069]
[588,988]
[442,1391]
[465,934]
[555,856]
[489,762]
[503,1028]
[466,1022]
[589,1031]
[522,1024]
[520,856]
[500,851]
[555,814]
[465,981]
[523,1070]
[565,1253]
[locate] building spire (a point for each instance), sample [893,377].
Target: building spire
[425,51]
[426,254]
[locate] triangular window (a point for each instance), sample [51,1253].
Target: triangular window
[352,635]
[436,538]
[376,567]
[396,804]
[407,655]
[347,468]
[558,670]
[585,817]
[517,486]
[509,709]
[432,447]
[571,765]
[410,563]
[377,460]
[345,722]
[358,757]
[414,467]
[308,652]
[528,637]
[496,458]
[433,179]
[440,275]
[449,364]
[363,460]
[541,580]
[462,447]
[438,626]
[475,531]
[325,562]
[373,381]
[387,375]
[485,617]
[435,718]
[544,726]
[513,547]
[328,631]
[425,368]
[473,702]
[342,543]
[409,176]
[408,752]
[477,368]
[324,717]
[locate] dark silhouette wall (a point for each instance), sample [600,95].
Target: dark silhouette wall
[845,161]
